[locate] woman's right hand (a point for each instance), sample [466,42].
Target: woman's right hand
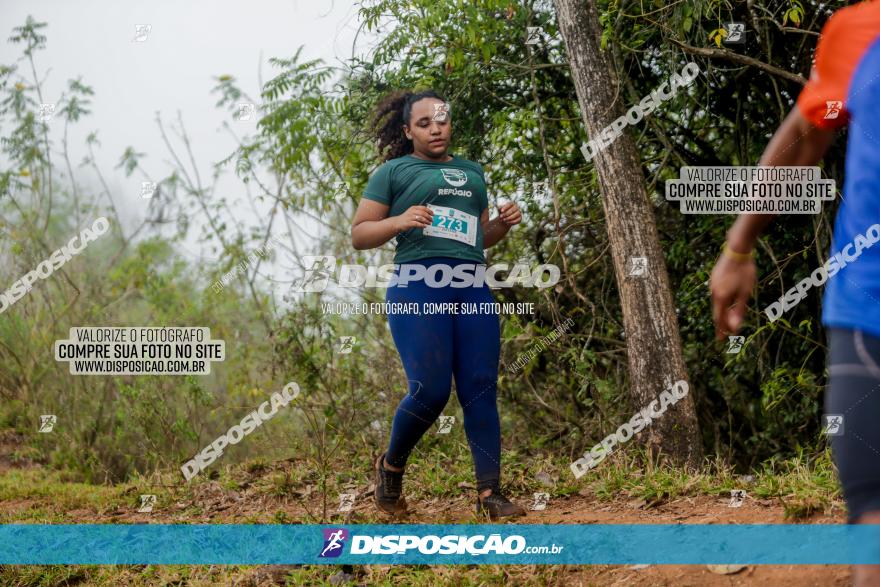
[415,217]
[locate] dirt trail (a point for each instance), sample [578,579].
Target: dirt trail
[210,502]
[233,507]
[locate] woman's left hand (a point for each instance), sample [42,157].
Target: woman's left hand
[509,213]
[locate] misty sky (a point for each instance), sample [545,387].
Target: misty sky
[189,44]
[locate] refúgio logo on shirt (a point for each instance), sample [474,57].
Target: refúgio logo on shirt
[454,177]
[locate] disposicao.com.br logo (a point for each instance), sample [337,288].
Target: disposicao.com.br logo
[479,544]
[334,542]
[320,269]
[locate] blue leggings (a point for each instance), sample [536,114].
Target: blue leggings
[433,349]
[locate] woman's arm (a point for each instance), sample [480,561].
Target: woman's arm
[497,229]
[372,227]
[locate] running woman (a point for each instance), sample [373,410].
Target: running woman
[844,88]
[431,202]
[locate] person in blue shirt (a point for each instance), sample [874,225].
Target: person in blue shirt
[843,89]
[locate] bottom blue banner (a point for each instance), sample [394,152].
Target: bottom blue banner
[103,544]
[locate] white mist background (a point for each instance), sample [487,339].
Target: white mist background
[174,69]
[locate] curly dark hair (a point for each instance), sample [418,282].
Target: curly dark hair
[391,113]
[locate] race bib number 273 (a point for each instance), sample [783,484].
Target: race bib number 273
[453,224]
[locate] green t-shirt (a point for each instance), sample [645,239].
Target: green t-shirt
[456,190]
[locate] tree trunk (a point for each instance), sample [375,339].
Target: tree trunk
[651,327]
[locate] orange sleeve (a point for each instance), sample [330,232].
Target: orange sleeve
[823,99]
[841,46]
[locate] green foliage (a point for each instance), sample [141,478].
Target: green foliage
[794,13]
[515,111]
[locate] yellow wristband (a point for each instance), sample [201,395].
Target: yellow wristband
[725,250]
